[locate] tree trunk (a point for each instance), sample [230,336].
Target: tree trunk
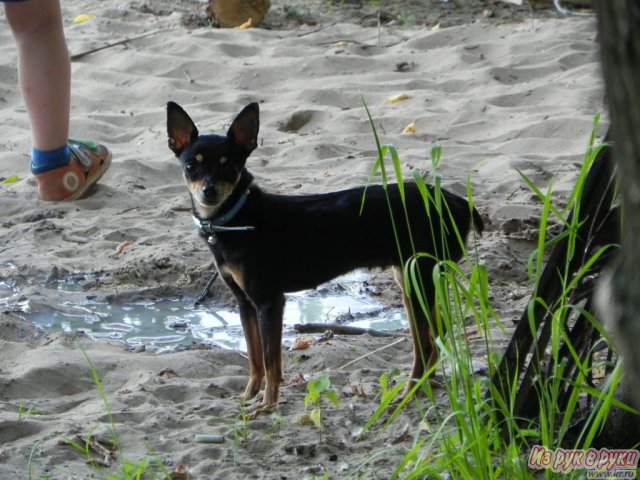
[619,293]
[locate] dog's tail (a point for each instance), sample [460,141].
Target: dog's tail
[476,220]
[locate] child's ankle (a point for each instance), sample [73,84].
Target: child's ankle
[45,160]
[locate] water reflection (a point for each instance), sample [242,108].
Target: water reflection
[166,323]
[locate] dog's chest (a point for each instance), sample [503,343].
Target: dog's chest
[228,265]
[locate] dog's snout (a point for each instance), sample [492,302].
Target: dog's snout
[209,191]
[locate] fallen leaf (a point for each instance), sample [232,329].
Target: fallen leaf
[11,179]
[83,17]
[302,343]
[246,25]
[410,129]
[122,246]
[316,417]
[403,437]
[304,419]
[180,473]
[398,98]
[357,390]
[403,66]
[167,372]
[296,380]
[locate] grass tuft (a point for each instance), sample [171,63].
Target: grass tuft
[477,435]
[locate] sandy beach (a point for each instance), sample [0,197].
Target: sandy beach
[499,91]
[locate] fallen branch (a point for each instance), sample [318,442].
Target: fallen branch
[340,329]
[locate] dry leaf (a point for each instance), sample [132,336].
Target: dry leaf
[167,372]
[83,17]
[357,390]
[180,473]
[398,98]
[11,179]
[246,25]
[405,436]
[297,380]
[409,129]
[304,419]
[302,343]
[122,246]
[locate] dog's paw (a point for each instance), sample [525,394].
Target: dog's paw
[260,409]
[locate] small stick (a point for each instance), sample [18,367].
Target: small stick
[205,290]
[115,44]
[371,353]
[379,27]
[339,329]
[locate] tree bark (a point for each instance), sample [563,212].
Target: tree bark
[619,292]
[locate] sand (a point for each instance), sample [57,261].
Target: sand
[499,94]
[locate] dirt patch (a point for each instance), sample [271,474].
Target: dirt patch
[285,14]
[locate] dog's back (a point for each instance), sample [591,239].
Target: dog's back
[302,241]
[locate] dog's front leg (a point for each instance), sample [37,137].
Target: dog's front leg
[249,320]
[270,320]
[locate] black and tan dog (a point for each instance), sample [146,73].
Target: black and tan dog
[265,245]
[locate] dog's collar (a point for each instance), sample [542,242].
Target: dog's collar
[216,225]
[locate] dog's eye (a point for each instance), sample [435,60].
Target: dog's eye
[190,167]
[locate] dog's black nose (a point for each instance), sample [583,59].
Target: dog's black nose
[209,191]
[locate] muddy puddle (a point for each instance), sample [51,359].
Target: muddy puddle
[167,324]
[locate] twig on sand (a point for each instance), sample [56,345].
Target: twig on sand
[371,353]
[76,56]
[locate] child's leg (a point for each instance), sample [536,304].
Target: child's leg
[64,170]
[44,69]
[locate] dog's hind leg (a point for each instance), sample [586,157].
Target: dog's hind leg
[270,320]
[425,353]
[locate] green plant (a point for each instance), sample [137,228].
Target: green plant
[23,413]
[406,19]
[476,436]
[276,424]
[132,470]
[32,453]
[100,453]
[241,430]
[385,379]
[128,470]
[318,388]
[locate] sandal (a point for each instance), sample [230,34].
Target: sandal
[76,180]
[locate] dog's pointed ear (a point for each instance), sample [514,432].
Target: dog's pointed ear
[180,128]
[244,129]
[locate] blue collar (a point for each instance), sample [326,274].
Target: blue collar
[211,227]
